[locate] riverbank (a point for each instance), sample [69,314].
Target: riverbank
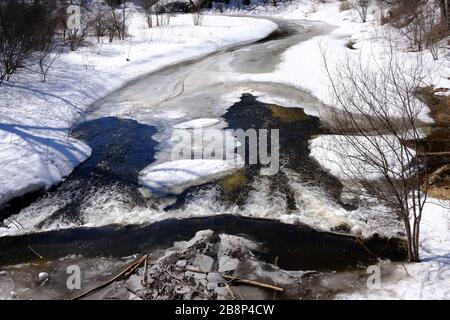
[425,280]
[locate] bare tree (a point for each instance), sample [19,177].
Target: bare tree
[47,57]
[420,24]
[362,7]
[196,7]
[445,12]
[379,136]
[98,19]
[78,36]
[117,19]
[149,9]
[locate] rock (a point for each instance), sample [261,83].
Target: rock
[211,286]
[343,227]
[134,283]
[6,287]
[132,296]
[227,263]
[181,263]
[182,289]
[214,277]
[394,249]
[3,273]
[203,282]
[43,276]
[200,236]
[203,263]
[222,293]
[195,275]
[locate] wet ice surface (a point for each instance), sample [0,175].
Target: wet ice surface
[193,267]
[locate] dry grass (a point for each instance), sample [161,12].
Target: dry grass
[288,114]
[437,143]
[440,183]
[344,5]
[438,104]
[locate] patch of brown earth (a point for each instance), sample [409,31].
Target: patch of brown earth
[436,145]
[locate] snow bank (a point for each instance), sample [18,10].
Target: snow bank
[326,150]
[196,123]
[35,117]
[429,279]
[32,160]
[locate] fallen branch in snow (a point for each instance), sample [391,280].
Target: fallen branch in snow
[124,274]
[242,281]
[252,283]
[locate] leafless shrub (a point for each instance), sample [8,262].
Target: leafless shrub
[379,136]
[24,29]
[117,19]
[98,20]
[76,37]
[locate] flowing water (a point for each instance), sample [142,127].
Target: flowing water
[107,213]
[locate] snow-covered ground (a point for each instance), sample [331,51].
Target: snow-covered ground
[348,164]
[303,65]
[35,117]
[429,279]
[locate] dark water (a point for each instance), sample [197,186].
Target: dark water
[298,247]
[295,130]
[122,148]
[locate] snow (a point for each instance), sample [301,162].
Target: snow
[326,150]
[303,65]
[33,159]
[36,117]
[429,279]
[196,124]
[173,177]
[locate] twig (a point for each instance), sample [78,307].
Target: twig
[275,293]
[123,274]
[230,291]
[406,270]
[243,281]
[239,293]
[252,283]
[35,252]
[144,275]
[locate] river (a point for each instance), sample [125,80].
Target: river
[100,214]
